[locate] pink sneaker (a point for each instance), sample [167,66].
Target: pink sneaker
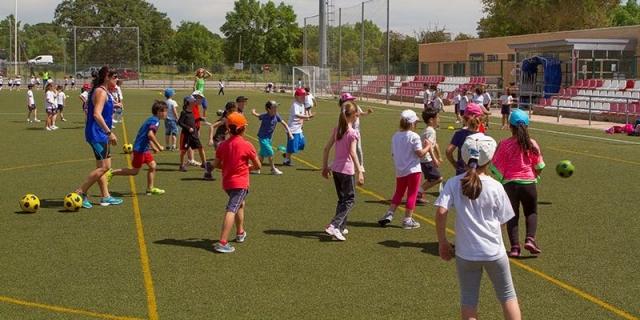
[514,252]
[531,245]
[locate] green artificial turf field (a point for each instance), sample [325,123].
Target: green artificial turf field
[152,256]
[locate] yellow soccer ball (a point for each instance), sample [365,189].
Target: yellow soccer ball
[72,201]
[29,203]
[127,148]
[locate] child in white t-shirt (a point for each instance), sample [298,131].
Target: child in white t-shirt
[506,100]
[430,164]
[309,101]
[482,206]
[51,106]
[456,102]
[31,105]
[407,150]
[61,97]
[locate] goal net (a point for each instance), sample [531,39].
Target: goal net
[315,78]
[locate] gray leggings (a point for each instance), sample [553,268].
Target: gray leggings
[470,274]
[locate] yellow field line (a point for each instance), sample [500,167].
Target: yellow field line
[559,283]
[64,309]
[144,256]
[30,166]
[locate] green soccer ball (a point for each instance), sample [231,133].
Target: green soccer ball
[72,201]
[565,168]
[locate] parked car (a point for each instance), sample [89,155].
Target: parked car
[45,59]
[127,74]
[86,73]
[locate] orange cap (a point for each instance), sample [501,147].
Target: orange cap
[236,119]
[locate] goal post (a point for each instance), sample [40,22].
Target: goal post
[317,79]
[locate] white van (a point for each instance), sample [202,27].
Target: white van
[46,59]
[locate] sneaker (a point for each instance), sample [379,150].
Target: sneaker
[48,128]
[36,120]
[227,248]
[86,203]
[345,231]
[108,201]
[240,237]
[421,200]
[109,175]
[287,163]
[155,191]
[194,163]
[457,121]
[531,245]
[276,171]
[254,172]
[335,232]
[410,223]
[63,120]
[54,127]
[514,252]
[183,168]
[386,219]
[29,121]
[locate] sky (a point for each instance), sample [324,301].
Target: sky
[406,16]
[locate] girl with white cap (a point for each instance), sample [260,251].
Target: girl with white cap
[407,150]
[482,206]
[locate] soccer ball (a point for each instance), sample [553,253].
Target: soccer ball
[29,203]
[72,201]
[127,148]
[565,168]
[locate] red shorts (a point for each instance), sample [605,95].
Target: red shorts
[141,158]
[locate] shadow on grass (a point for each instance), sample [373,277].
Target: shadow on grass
[72,128]
[384,202]
[166,170]
[363,224]
[51,203]
[427,247]
[204,244]
[308,169]
[36,128]
[545,203]
[197,179]
[168,164]
[319,235]
[524,257]
[123,195]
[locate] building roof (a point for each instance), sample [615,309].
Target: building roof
[579,44]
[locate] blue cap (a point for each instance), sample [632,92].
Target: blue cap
[518,117]
[189,99]
[169,92]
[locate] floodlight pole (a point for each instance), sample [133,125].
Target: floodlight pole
[339,47]
[323,33]
[75,60]
[15,40]
[362,48]
[387,53]
[138,47]
[304,43]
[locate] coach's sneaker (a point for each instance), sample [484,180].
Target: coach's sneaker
[410,223]
[386,219]
[155,191]
[227,248]
[85,202]
[110,201]
[531,245]
[276,172]
[241,237]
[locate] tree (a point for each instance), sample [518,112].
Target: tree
[44,38]
[626,15]
[434,35]
[114,46]
[508,17]
[195,44]
[261,31]
[463,36]
[402,48]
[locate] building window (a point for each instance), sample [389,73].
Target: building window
[476,56]
[511,57]
[492,57]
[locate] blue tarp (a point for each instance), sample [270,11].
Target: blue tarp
[552,72]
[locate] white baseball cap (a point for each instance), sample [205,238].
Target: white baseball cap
[409,115]
[197,93]
[480,147]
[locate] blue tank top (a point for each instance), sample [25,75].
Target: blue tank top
[92,130]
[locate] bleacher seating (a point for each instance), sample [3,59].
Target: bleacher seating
[600,96]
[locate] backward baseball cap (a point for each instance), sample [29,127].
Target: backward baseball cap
[479,147]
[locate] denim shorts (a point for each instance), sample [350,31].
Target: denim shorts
[171,127]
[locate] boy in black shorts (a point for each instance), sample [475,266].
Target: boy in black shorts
[189,138]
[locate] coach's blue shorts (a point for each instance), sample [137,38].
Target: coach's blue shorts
[296,144]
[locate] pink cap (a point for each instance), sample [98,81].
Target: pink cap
[346,97]
[473,109]
[300,92]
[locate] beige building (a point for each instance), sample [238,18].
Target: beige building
[604,53]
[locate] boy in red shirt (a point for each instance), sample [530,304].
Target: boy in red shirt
[233,156]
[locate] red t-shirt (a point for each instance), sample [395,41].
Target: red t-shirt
[235,153]
[196,115]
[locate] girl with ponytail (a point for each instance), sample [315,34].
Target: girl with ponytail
[482,206]
[344,168]
[517,165]
[472,118]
